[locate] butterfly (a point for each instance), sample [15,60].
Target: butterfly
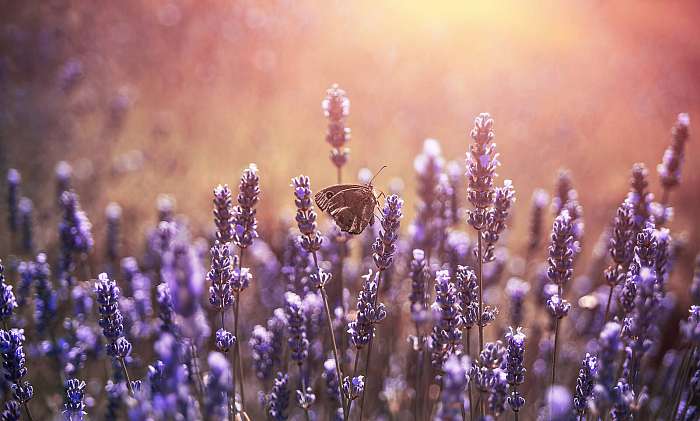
[350,205]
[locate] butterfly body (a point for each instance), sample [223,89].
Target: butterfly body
[350,205]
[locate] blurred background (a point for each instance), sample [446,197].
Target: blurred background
[144,98]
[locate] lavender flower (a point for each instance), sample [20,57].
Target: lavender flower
[558,307]
[369,312]
[558,405]
[223,213]
[516,290]
[220,276]
[11,411]
[75,229]
[623,399]
[384,246]
[609,346]
[46,300]
[670,167]
[13,363]
[261,343]
[73,403]
[277,402]
[298,343]
[621,244]
[354,387]
[8,304]
[498,393]
[26,225]
[468,295]
[336,107]
[331,379]
[584,383]
[482,162]
[165,307]
[111,319]
[64,173]
[504,197]
[540,198]
[428,166]
[454,382]
[13,181]
[561,252]
[490,361]
[418,297]
[691,327]
[306,216]
[245,225]
[638,326]
[114,215]
[447,334]
[515,369]
[638,196]
[218,387]
[225,340]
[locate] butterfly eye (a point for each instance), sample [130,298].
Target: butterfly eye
[329,195]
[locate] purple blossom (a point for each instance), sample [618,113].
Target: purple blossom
[330,377]
[584,383]
[609,347]
[540,199]
[384,246]
[220,276]
[561,250]
[336,108]
[277,402]
[7,298]
[245,225]
[353,387]
[691,327]
[482,161]
[504,197]
[468,295]
[263,349]
[369,311]
[14,363]
[73,402]
[223,213]
[517,290]
[454,383]
[515,366]
[670,167]
[111,319]
[310,239]
[13,183]
[447,315]
[218,387]
[621,243]
[12,411]
[225,340]
[419,276]
[296,319]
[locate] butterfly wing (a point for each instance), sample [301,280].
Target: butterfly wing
[325,197]
[353,208]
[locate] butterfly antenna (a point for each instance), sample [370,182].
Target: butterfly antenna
[375,175]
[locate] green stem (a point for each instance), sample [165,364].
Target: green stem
[29,413]
[556,346]
[369,348]
[237,347]
[607,307]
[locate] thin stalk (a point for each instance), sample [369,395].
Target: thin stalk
[126,375]
[233,355]
[691,396]
[554,355]
[469,384]
[607,307]
[237,349]
[480,265]
[419,369]
[324,295]
[683,375]
[369,348]
[29,413]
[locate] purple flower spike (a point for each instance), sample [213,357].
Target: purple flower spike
[245,225]
[306,216]
[384,246]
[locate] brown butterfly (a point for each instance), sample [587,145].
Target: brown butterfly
[350,205]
